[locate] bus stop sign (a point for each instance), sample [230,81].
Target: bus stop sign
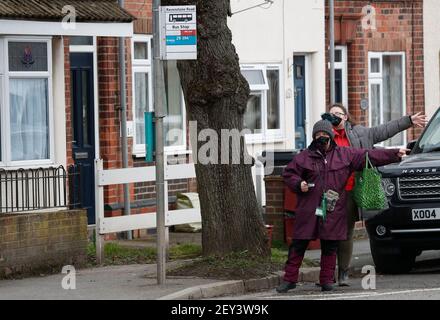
[178,33]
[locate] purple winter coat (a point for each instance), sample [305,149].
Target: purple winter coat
[329,172]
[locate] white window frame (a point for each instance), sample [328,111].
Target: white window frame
[343,65]
[267,135]
[377,78]
[5,125]
[141,66]
[146,66]
[262,69]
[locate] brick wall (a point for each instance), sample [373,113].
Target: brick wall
[110,115]
[399,28]
[68,101]
[42,242]
[143,10]
[274,214]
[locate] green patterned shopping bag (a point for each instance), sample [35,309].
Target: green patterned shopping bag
[368,192]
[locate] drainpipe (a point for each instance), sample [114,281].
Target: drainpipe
[124,144]
[332,51]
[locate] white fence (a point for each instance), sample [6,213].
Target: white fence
[138,221]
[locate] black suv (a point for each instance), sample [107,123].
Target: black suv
[411,224]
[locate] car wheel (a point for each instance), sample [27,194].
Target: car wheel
[393,263]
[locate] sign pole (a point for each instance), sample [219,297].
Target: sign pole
[332,52]
[174,38]
[160,174]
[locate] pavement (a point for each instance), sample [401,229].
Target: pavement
[132,282]
[138,282]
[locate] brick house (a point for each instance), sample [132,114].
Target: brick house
[63,84]
[431,30]
[379,71]
[379,66]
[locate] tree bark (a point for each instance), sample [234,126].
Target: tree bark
[216,96]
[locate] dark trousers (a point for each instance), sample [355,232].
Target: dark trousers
[328,260]
[345,249]
[328,247]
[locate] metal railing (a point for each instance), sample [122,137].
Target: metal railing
[25,190]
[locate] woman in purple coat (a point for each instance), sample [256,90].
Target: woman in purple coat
[324,169]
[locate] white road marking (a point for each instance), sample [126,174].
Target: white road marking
[313,295]
[377,294]
[348,295]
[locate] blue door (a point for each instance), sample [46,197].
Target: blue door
[83,120]
[300,101]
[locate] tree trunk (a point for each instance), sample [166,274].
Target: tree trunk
[216,96]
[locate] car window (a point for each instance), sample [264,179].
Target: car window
[430,140]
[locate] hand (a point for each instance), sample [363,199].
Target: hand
[304,187]
[419,120]
[403,152]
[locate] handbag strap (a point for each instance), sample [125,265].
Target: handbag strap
[368,164]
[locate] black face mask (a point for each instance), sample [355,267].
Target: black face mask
[334,120]
[322,141]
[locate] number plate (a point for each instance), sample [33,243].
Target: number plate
[426,214]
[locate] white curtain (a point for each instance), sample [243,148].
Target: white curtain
[173,122]
[273,100]
[141,105]
[392,94]
[29,119]
[252,116]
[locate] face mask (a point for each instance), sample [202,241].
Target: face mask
[322,143]
[334,120]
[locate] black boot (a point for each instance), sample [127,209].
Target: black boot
[285,287]
[327,287]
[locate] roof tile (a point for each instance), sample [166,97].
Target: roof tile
[86,10]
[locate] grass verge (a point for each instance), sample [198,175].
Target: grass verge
[241,265]
[116,254]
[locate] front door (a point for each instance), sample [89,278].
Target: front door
[83,146]
[300,101]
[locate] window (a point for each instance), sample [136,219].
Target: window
[142,89]
[26,106]
[341,82]
[387,91]
[263,111]
[174,122]
[81,41]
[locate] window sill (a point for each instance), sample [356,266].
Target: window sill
[30,166]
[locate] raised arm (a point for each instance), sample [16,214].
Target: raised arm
[390,129]
[292,176]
